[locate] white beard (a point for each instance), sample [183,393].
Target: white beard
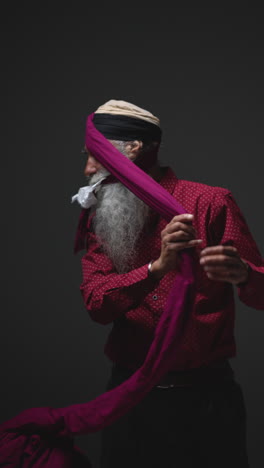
[119,221]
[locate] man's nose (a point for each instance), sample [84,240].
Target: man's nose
[92,166]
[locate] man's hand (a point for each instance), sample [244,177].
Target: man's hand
[223,263]
[179,234]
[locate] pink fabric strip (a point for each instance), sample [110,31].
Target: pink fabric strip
[50,425]
[129,174]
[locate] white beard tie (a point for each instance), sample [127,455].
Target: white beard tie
[85,196]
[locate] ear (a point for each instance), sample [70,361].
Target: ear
[133,149]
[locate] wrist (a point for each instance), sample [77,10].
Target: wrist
[155,270]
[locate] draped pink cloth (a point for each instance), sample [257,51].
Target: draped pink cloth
[44,437]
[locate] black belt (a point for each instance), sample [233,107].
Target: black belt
[215,372]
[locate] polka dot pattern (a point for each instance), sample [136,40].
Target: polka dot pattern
[134,301]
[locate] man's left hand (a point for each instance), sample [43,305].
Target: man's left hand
[223,263]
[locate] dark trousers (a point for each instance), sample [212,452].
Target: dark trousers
[200,426]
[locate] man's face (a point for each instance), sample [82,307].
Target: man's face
[93,170]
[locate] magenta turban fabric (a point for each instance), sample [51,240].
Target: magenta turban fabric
[44,437]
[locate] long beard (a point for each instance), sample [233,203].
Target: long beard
[119,221]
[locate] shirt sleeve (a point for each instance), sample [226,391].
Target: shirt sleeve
[106,294]
[228,226]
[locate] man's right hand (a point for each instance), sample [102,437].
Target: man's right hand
[179,234]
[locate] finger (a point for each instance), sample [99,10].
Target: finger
[219,260]
[220,249]
[185,217]
[230,277]
[223,269]
[179,236]
[177,226]
[176,246]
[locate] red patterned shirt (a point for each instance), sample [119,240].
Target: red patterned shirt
[134,301]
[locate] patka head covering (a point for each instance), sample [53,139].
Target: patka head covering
[115,107]
[122,120]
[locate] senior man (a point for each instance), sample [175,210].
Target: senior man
[195,416]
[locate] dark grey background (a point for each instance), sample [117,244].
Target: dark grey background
[201,71]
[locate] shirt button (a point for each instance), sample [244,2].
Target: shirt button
[155,297]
